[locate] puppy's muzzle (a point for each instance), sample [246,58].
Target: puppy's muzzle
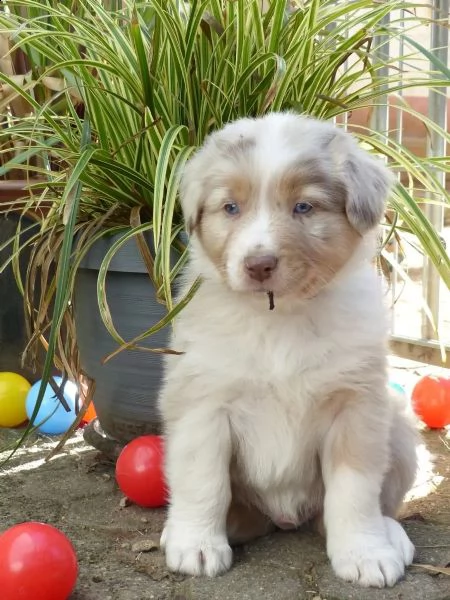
[260,268]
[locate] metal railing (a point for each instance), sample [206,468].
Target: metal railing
[417,338]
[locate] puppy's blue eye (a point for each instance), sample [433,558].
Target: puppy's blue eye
[301,208]
[231,208]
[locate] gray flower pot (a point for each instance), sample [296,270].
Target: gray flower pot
[13,334]
[126,387]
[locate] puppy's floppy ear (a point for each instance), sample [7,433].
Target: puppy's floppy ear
[191,192]
[366,179]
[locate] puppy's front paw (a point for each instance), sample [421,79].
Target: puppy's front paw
[373,560]
[193,552]
[399,540]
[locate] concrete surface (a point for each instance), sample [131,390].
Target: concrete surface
[76,491]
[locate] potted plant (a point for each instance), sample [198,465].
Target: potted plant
[13,184]
[135,88]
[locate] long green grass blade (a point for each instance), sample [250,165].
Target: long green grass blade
[61,296]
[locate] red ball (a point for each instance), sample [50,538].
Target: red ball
[139,471]
[431,401]
[37,562]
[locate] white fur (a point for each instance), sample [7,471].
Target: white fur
[363,545]
[255,239]
[252,385]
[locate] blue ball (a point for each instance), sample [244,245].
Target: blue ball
[397,387]
[52,418]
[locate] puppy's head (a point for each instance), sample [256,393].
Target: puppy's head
[280,203]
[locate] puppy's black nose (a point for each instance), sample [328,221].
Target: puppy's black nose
[260,267]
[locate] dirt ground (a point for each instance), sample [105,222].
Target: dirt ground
[76,492]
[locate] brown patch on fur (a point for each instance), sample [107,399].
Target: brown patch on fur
[314,248]
[194,224]
[307,182]
[319,525]
[353,416]
[240,189]
[319,257]
[215,235]
[402,471]
[216,251]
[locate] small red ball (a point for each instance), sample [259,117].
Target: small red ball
[431,401]
[37,562]
[139,471]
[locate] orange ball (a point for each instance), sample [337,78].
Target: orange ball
[431,401]
[90,414]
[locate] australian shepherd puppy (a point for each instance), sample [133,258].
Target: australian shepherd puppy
[277,411]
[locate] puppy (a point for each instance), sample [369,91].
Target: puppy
[277,412]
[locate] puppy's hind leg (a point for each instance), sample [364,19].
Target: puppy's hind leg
[399,480]
[400,477]
[246,523]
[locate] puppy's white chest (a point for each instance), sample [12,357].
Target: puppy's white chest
[275,450]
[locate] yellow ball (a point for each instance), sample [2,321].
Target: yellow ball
[13,393]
